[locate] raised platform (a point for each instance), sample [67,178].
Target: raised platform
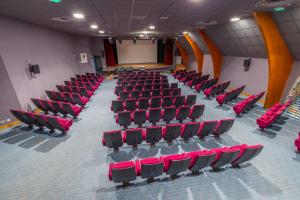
[143,66]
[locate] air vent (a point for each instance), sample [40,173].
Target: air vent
[138,17]
[274,3]
[164,18]
[62,19]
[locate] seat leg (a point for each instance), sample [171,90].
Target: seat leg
[116,150]
[150,180]
[125,184]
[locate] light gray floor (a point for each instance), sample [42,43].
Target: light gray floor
[35,166]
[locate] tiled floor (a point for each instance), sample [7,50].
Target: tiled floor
[35,166]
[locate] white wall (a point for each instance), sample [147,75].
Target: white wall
[143,51]
[207,64]
[256,79]
[295,72]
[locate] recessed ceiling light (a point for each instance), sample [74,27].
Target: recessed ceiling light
[55,1]
[78,15]
[151,27]
[184,32]
[101,31]
[94,26]
[141,35]
[234,19]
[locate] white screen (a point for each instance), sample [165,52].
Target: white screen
[143,51]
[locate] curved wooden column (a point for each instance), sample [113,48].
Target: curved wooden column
[184,55]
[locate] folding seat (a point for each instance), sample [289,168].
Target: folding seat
[68,97]
[148,81]
[19,115]
[196,112]
[82,101]
[190,100]
[138,87]
[75,89]
[156,81]
[124,95]
[122,172]
[123,118]
[189,130]
[89,86]
[165,85]
[79,84]
[224,156]
[155,93]
[59,123]
[129,88]
[139,117]
[58,108]
[200,160]
[112,139]
[118,89]
[84,92]
[51,95]
[223,126]
[154,115]
[59,96]
[174,85]
[246,153]
[48,105]
[153,134]
[117,106]
[133,137]
[39,105]
[182,113]
[176,92]
[175,164]
[130,104]
[179,101]
[146,94]
[62,88]
[143,103]
[206,128]
[166,92]
[167,101]
[168,114]
[135,94]
[147,87]
[41,119]
[68,83]
[71,110]
[156,87]
[171,132]
[155,102]
[150,168]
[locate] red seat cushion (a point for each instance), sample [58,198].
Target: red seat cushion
[120,165]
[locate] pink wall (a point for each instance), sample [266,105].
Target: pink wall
[53,50]
[256,79]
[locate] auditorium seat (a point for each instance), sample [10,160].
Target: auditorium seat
[153,134]
[48,106]
[59,123]
[71,109]
[297,143]
[168,114]
[150,168]
[117,106]
[189,130]
[154,115]
[223,126]
[69,98]
[40,105]
[139,117]
[118,89]
[155,102]
[196,112]
[228,96]
[57,108]
[182,113]
[146,93]
[112,139]
[200,160]
[133,137]
[122,172]
[155,93]
[143,103]
[176,92]
[167,101]
[179,101]
[173,85]
[41,119]
[171,132]
[206,128]
[247,103]
[175,164]
[130,104]
[135,94]
[124,95]
[224,156]
[246,153]
[166,92]
[82,101]
[190,100]
[124,118]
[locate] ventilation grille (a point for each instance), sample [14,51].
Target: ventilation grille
[274,3]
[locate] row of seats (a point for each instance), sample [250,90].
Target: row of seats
[154,102]
[93,82]
[230,95]
[90,75]
[216,89]
[57,107]
[196,80]
[247,103]
[43,121]
[272,114]
[86,85]
[297,142]
[189,77]
[73,98]
[140,87]
[154,115]
[170,132]
[149,168]
[136,94]
[179,75]
[143,81]
[206,84]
